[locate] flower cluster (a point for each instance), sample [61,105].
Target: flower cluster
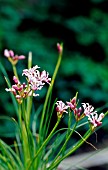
[92,115]
[20,91]
[35,81]
[12,57]
[35,78]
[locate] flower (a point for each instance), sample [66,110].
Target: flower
[13,58]
[20,91]
[72,103]
[77,113]
[44,77]
[35,78]
[95,120]
[88,109]
[31,71]
[61,108]
[35,81]
[92,115]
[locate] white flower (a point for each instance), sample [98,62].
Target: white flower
[94,119]
[61,107]
[88,109]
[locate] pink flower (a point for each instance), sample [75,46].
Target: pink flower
[61,108]
[35,78]
[44,77]
[88,109]
[72,103]
[20,91]
[8,53]
[13,58]
[77,112]
[32,72]
[35,81]
[15,79]
[95,120]
[92,115]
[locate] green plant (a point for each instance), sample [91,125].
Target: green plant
[34,149]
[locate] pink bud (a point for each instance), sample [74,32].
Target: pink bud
[73,101]
[15,80]
[80,110]
[11,53]
[59,47]
[6,53]
[78,114]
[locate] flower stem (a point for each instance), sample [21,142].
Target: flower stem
[44,143]
[79,143]
[49,92]
[64,145]
[15,71]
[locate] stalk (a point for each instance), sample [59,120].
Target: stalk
[49,91]
[86,136]
[44,143]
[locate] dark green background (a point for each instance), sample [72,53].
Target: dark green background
[37,26]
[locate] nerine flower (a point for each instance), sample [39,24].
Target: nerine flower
[61,108]
[72,103]
[35,78]
[30,72]
[12,57]
[77,113]
[92,115]
[95,120]
[73,106]
[35,81]
[20,91]
[88,109]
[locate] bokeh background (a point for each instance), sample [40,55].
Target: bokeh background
[37,26]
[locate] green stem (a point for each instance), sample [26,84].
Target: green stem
[106,113]
[29,108]
[64,145]
[81,141]
[44,143]
[15,71]
[49,91]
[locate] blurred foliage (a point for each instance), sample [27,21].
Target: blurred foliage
[37,25]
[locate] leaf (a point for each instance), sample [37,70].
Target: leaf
[8,127]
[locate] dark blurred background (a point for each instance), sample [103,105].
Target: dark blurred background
[37,26]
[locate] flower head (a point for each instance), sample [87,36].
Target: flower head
[95,120]
[92,115]
[35,78]
[13,58]
[72,104]
[61,108]
[20,91]
[77,113]
[35,81]
[88,109]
